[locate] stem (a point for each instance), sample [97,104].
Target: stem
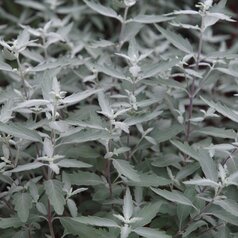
[49,176]
[128,145]
[108,169]
[22,77]
[44,47]
[29,233]
[108,174]
[193,89]
[228,157]
[123,24]
[49,218]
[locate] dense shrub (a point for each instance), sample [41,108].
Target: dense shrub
[118,119]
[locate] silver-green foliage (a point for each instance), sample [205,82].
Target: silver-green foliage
[118,119]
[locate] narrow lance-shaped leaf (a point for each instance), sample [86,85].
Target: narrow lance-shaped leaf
[54,190]
[228,205]
[77,97]
[123,167]
[194,226]
[222,214]
[106,11]
[20,132]
[22,39]
[147,19]
[217,132]
[84,136]
[183,211]
[142,118]
[84,178]
[110,71]
[72,163]
[223,109]
[150,179]
[10,222]
[128,205]
[156,69]
[105,105]
[81,230]
[151,233]
[96,221]
[177,40]
[23,204]
[167,133]
[147,213]
[173,196]
[5,67]
[27,167]
[202,182]
[232,179]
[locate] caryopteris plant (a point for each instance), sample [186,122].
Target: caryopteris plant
[118,119]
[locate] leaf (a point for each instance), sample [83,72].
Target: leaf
[177,40]
[142,118]
[41,208]
[147,19]
[229,71]
[206,162]
[72,207]
[73,227]
[26,167]
[127,205]
[110,71]
[222,214]
[5,67]
[20,131]
[194,226]
[22,39]
[228,205]
[54,191]
[106,11]
[147,213]
[202,182]
[167,134]
[105,105]
[23,204]
[77,97]
[85,136]
[61,62]
[173,196]
[171,83]
[32,103]
[223,109]
[217,132]
[32,4]
[84,178]
[151,233]
[183,211]
[123,167]
[166,161]
[150,179]
[158,68]
[187,170]
[10,222]
[130,31]
[72,163]
[96,221]
[232,179]
[6,179]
